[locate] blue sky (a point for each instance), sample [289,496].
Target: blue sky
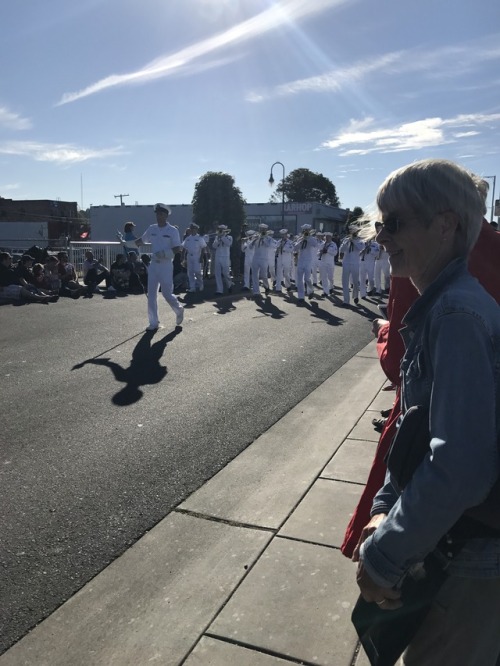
[107,97]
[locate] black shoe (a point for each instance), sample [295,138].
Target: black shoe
[289,289]
[356,300]
[230,290]
[379,424]
[385,413]
[219,293]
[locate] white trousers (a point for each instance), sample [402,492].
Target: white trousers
[326,274]
[284,267]
[382,268]
[160,275]
[366,274]
[304,280]
[195,274]
[350,275]
[259,271]
[246,272]
[222,268]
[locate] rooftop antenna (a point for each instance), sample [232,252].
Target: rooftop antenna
[120,196]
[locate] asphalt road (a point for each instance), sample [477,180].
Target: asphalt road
[106,428]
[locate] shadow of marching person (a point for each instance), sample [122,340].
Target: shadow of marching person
[267,307]
[145,368]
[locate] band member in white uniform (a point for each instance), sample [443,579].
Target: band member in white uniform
[194,246]
[284,262]
[315,267]
[260,262]
[349,251]
[222,244]
[327,253]
[382,266]
[271,257]
[367,267]
[248,250]
[306,247]
[165,242]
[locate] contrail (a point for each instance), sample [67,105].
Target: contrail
[268,20]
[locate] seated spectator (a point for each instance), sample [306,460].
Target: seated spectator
[94,273]
[121,271]
[139,275]
[51,270]
[10,287]
[68,277]
[40,282]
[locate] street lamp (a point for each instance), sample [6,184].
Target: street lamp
[271,182]
[492,195]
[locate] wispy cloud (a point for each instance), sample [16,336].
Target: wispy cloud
[12,120]
[444,63]
[62,153]
[362,137]
[176,63]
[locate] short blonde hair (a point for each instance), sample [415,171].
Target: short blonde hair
[433,186]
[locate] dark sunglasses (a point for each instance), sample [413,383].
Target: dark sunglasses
[390,225]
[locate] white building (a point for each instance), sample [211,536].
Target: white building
[105,221]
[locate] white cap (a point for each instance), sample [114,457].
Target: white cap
[222,227]
[328,233]
[162,207]
[306,227]
[283,231]
[263,227]
[194,225]
[270,232]
[250,232]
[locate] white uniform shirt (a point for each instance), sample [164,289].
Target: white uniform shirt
[221,246]
[162,239]
[285,246]
[350,248]
[261,246]
[307,249]
[328,251]
[193,245]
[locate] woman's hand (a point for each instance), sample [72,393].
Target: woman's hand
[368,529]
[377,325]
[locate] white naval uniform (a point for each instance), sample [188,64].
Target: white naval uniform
[160,270]
[367,267]
[248,250]
[271,259]
[260,262]
[327,253]
[350,249]
[284,263]
[221,245]
[307,248]
[382,267]
[194,245]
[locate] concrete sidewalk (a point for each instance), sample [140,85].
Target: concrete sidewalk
[247,571]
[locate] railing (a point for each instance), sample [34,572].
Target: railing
[105,252]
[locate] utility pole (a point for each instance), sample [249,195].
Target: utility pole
[120,196]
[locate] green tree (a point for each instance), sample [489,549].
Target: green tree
[217,200]
[355,214]
[302,185]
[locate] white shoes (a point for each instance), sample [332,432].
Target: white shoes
[179,317]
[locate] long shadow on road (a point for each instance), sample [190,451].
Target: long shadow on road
[145,367]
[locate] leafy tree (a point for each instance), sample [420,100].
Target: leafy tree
[217,200]
[303,185]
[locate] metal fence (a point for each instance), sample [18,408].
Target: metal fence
[105,252]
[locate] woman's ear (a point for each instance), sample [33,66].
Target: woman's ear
[448,223]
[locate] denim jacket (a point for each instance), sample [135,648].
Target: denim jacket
[451,366]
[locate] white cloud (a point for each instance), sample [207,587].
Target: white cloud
[13,120]
[361,137]
[444,63]
[56,153]
[268,20]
